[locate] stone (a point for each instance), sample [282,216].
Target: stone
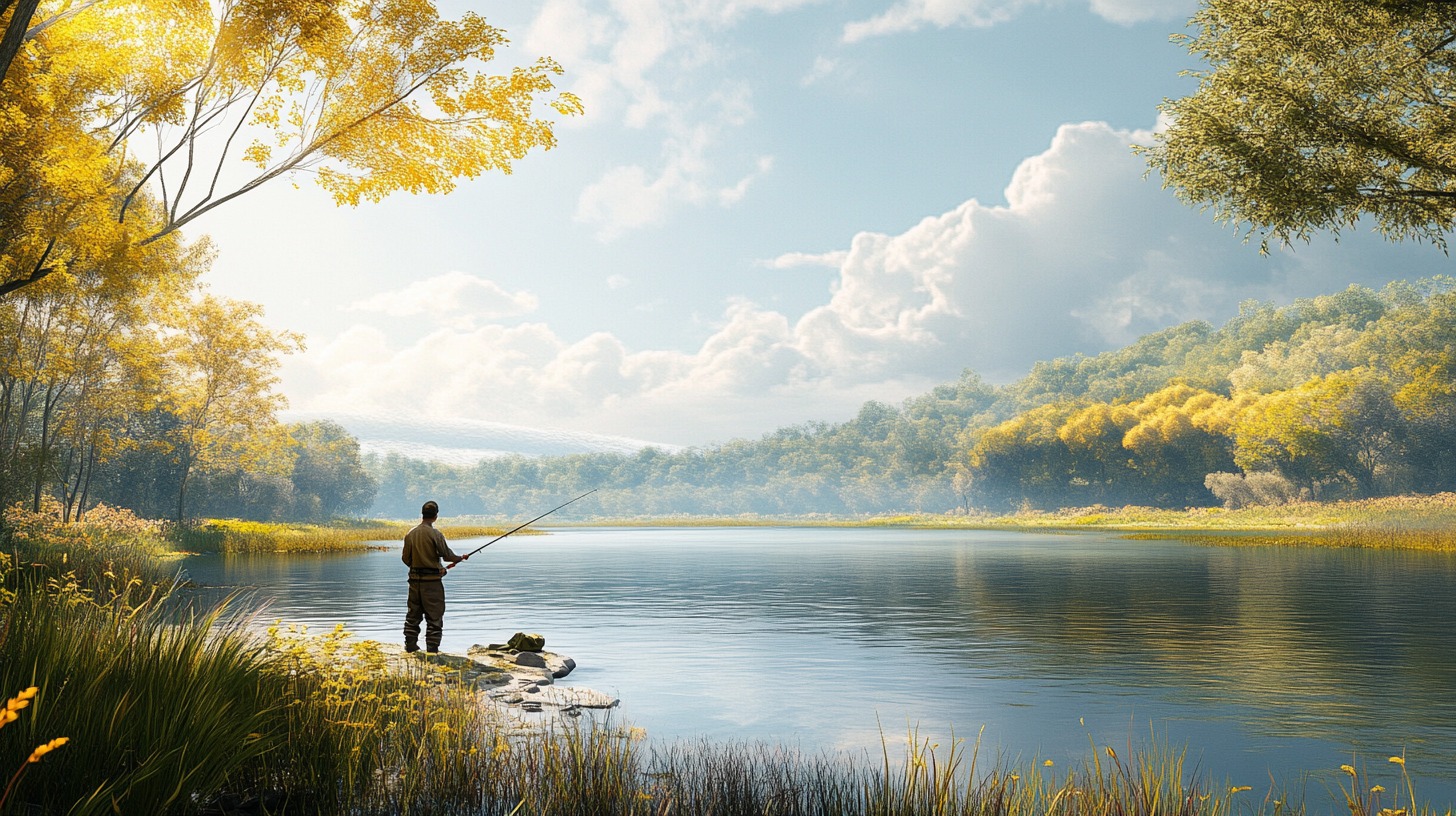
[561,666]
[532,659]
[523,642]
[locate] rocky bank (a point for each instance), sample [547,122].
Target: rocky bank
[519,675]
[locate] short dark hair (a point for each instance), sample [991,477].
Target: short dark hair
[430,510]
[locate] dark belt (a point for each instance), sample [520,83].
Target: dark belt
[426,572]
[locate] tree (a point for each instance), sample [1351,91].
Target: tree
[1313,114]
[16,25]
[1341,427]
[221,391]
[369,96]
[328,476]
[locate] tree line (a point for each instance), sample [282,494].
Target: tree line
[1347,395]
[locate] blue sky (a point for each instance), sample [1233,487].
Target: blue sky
[773,211]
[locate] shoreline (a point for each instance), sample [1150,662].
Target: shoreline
[1415,522]
[1403,522]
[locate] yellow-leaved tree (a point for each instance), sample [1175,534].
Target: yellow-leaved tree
[197,102]
[222,374]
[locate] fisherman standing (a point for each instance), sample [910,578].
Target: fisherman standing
[424,547]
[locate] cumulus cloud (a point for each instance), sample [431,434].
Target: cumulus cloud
[1085,254]
[913,15]
[453,296]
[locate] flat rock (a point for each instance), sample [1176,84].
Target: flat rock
[518,680]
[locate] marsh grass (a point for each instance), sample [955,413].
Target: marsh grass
[1396,522]
[156,702]
[108,547]
[235,536]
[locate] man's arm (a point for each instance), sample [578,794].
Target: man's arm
[442,548]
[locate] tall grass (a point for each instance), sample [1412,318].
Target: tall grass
[109,547]
[156,705]
[235,536]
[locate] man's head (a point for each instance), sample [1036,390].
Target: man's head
[430,511]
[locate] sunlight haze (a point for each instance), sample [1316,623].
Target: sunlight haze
[771,212]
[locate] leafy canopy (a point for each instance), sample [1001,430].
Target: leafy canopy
[152,113]
[1314,114]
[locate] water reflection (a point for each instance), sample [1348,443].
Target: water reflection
[1263,658]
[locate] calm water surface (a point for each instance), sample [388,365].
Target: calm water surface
[1260,660]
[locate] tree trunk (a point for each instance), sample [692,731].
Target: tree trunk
[15,33]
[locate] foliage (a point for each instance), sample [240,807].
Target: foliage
[104,553]
[222,366]
[1314,114]
[1339,396]
[125,121]
[1237,490]
[328,476]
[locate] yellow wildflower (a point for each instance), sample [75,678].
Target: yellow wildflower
[1378,789]
[42,750]
[1048,763]
[1239,788]
[21,700]
[1399,761]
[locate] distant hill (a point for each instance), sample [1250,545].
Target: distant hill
[1350,394]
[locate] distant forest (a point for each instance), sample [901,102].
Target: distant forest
[1339,396]
[1346,395]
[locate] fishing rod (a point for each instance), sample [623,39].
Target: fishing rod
[522,527]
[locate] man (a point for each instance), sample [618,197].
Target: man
[424,547]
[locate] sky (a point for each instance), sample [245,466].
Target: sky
[771,212]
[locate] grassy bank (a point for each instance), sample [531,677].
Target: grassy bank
[170,707]
[235,536]
[1400,522]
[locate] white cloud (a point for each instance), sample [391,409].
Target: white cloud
[629,197]
[647,65]
[1085,254]
[617,281]
[913,15]
[1128,12]
[823,68]
[793,260]
[454,295]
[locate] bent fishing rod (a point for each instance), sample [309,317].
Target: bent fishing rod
[522,527]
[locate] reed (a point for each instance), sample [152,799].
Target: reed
[236,536]
[157,702]
[109,547]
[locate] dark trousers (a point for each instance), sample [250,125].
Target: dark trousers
[426,600]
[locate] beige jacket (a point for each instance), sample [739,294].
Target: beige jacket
[424,547]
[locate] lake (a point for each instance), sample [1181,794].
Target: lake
[1259,660]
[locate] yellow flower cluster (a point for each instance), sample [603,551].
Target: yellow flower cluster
[9,715]
[16,703]
[42,750]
